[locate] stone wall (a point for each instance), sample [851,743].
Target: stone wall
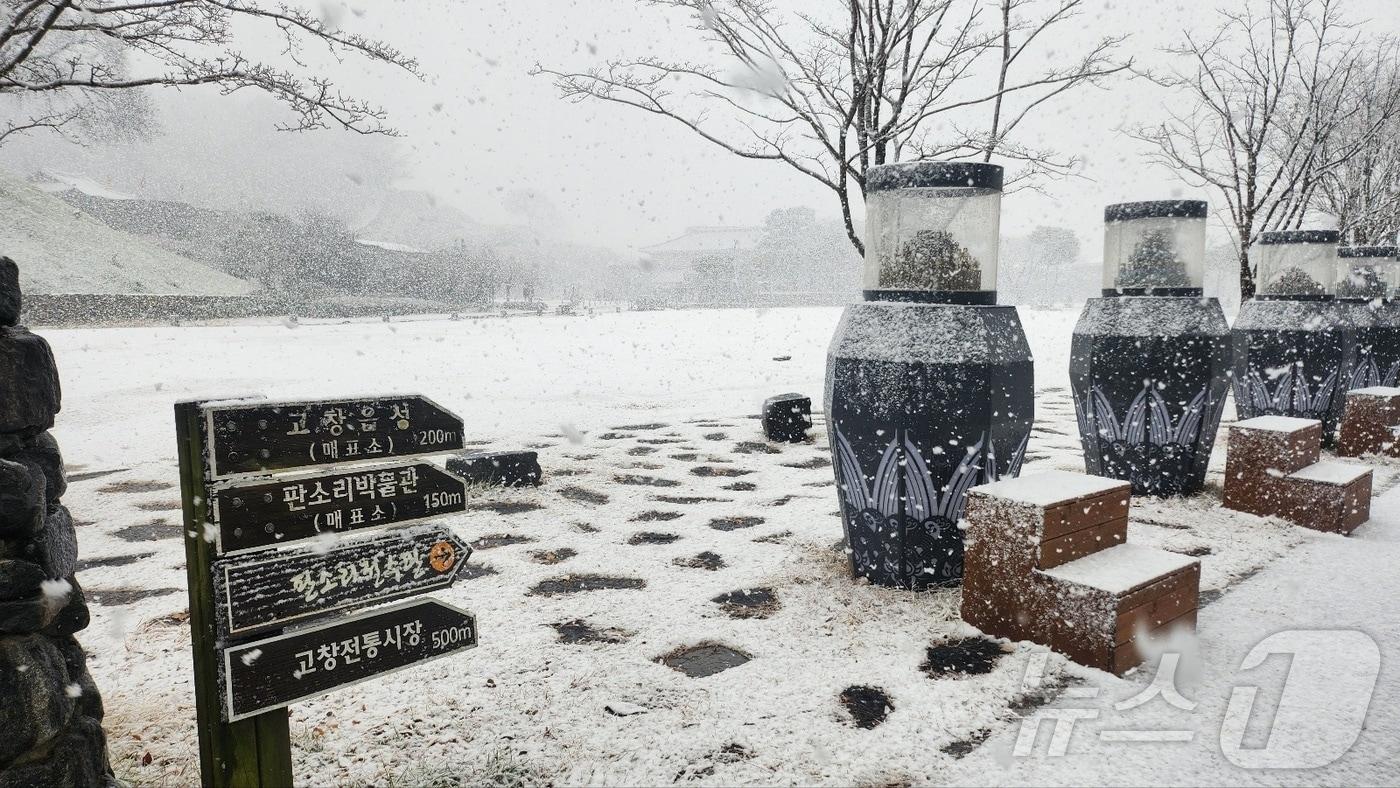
[50,711]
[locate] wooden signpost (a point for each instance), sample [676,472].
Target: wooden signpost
[252,515]
[267,674]
[266,551]
[276,588]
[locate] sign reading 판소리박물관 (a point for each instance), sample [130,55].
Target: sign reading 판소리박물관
[280,670]
[274,588]
[254,437]
[259,514]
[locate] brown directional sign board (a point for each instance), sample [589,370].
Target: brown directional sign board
[276,671]
[289,508]
[253,436]
[274,588]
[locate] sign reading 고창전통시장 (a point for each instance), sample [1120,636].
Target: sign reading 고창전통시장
[257,436]
[290,508]
[280,670]
[273,588]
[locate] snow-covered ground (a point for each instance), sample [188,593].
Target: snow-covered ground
[670,465]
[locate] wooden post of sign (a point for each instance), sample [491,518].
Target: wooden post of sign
[256,751]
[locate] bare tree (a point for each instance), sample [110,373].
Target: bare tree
[61,60]
[1363,191]
[887,81]
[1268,95]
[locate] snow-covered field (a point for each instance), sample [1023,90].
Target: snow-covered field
[644,424]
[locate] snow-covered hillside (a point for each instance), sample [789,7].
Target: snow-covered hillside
[62,250]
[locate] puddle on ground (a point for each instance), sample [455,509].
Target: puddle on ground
[868,706]
[748,603]
[703,660]
[963,657]
[735,523]
[573,584]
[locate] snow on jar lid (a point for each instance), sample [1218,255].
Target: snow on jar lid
[1297,264]
[1156,247]
[932,232]
[1366,272]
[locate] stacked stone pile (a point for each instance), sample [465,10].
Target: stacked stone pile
[50,711]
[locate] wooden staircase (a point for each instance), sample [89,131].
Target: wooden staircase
[1047,560]
[1274,468]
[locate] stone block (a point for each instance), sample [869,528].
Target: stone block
[10,296]
[33,681]
[29,391]
[22,499]
[498,468]
[1369,422]
[42,451]
[787,417]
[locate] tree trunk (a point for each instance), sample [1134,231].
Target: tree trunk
[846,217]
[1246,276]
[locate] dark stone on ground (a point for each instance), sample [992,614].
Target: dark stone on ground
[11,299]
[741,486]
[661,441]
[573,584]
[686,457]
[153,531]
[474,571]
[965,746]
[815,462]
[755,447]
[582,457]
[135,487]
[652,537]
[645,466]
[507,507]
[710,470]
[827,483]
[159,506]
[580,631]
[1195,552]
[715,436]
[586,528]
[613,436]
[641,451]
[641,427]
[787,417]
[783,501]
[706,560]
[748,603]
[645,481]
[42,451]
[86,475]
[653,516]
[551,557]
[116,597]
[868,706]
[967,657]
[569,472]
[735,523]
[85,564]
[688,499]
[22,499]
[499,540]
[776,538]
[30,394]
[575,493]
[703,660]
[498,468]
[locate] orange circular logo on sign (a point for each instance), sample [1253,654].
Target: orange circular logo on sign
[442,556]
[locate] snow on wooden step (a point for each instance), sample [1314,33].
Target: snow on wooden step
[1331,472]
[1050,488]
[1121,569]
[1275,423]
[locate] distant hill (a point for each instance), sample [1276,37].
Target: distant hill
[61,249]
[416,219]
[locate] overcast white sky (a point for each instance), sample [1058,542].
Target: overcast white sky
[479,126]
